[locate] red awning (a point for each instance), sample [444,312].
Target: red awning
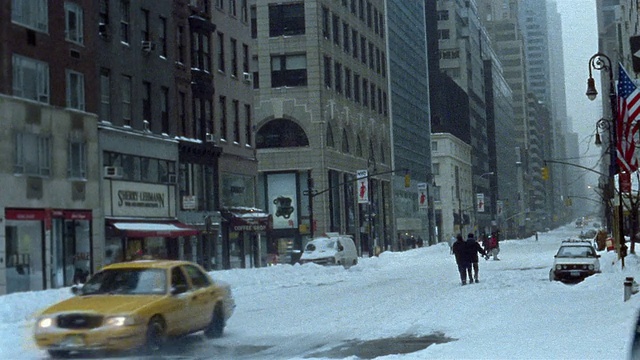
[152,229]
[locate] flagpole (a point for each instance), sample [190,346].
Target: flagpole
[600,61]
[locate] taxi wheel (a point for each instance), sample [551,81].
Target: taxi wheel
[155,335]
[216,326]
[58,354]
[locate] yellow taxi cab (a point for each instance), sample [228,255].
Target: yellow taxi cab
[135,305]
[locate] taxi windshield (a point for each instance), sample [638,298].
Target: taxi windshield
[127,281]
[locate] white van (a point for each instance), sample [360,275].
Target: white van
[331,249]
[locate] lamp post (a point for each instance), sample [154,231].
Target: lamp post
[600,61]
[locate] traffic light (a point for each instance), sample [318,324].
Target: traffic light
[544,171]
[407,179]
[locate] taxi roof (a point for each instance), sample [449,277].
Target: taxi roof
[142,264]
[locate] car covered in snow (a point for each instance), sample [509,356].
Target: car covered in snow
[135,305]
[574,261]
[331,249]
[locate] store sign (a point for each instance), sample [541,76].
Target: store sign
[480,202]
[283,200]
[189,202]
[363,186]
[138,199]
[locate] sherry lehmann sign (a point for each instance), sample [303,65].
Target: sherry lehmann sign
[140,199]
[129,198]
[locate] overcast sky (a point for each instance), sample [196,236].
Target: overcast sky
[580,39]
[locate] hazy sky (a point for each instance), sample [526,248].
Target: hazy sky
[580,39]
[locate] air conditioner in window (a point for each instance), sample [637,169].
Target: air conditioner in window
[148,46]
[247,77]
[172,179]
[112,172]
[210,138]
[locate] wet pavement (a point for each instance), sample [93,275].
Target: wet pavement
[381,347]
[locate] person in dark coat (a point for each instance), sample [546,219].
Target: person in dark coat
[474,249]
[463,258]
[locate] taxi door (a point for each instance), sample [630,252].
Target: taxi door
[204,297]
[179,317]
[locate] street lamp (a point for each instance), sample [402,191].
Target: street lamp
[600,61]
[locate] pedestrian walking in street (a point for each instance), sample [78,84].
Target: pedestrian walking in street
[475,248]
[493,246]
[463,258]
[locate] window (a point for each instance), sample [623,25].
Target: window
[380,105]
[162,37]
[435,168]
[220,46]
[356,87]
[77,160]
[245,58]
[146,101]
[378,62]
[363,49]
[244,11]
[73,23]
[347,83]
[144,26]
[220,4]
[443,34]
[222,108]
[354,43]
[335,25]
[234,57]
[365,91]
[325,23]
[248,125]
[30,79]
[286,19]
[254,22]
[371,56]
[180,43]
[443,15]
[381,25]
[233,9]
[375,21]
[337,70]
[369,19]
[385,109]
[434,146]
[361,9]
[33,14]
[353,7]
[125,93]
[30,162]
[383,64]
[105,95]
[288,70]
[164,109]
[124,21]
[103,12]
[327,72]
[236,121]
[345,37]
[200,57]
[279,133]
[373,96]
[75,90]
[182,112]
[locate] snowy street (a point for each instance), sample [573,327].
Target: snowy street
[295,312]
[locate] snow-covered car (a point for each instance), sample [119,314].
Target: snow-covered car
[133,305]
[574,261]
[332,249]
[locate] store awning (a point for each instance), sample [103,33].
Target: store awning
[247,219]
[152,229]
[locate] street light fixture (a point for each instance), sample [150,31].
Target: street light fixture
[600,61]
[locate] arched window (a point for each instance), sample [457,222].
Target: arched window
[280,133]
[330,142]
[345,142]
[382,158]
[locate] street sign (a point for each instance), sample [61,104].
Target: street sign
[480,202]
[363,186]
[422,196]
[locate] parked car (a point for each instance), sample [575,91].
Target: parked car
[135,305]
[332,249]
[574,261]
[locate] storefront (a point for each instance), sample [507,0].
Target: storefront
[47,248]
[140,221]
[247,231]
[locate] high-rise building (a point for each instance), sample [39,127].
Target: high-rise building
[322,118]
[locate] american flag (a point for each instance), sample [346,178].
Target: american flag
[627,126]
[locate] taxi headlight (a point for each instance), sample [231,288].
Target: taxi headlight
[120,320]
[45,322]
